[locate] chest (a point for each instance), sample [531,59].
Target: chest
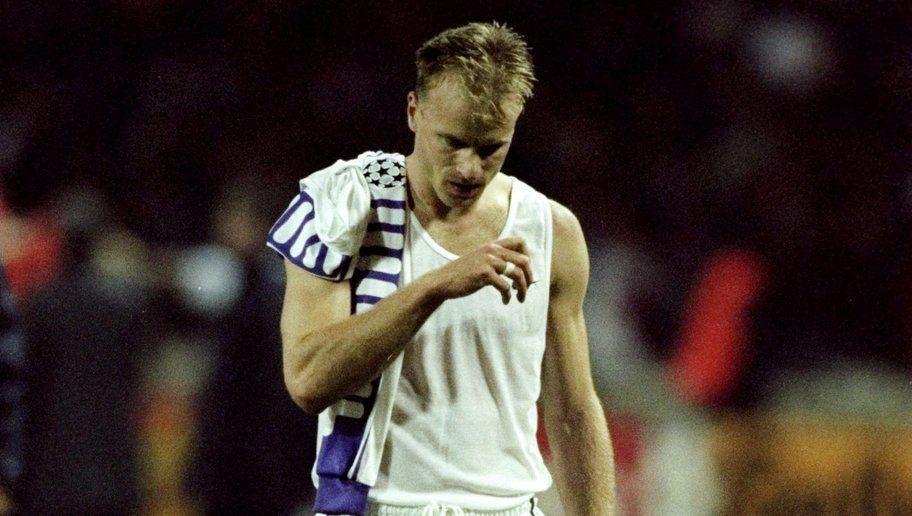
[484,308]
[471,343]
[464,236]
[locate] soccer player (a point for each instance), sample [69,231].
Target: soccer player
[481,323]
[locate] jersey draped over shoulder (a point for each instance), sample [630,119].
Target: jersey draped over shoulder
[323,227]
[348,223]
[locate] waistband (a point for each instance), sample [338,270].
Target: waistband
[437,509]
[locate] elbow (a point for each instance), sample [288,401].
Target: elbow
[310,406]
[303,393]
[305,396]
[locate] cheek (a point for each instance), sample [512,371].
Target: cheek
[443,156]
[495,161]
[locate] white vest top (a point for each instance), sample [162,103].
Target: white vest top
[464,419]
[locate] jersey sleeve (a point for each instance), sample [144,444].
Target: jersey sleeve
[322,229]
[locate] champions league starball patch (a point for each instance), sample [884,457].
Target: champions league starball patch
[385,172]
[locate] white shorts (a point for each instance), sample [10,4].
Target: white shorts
[376,509]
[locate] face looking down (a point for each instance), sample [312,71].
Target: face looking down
[457,154]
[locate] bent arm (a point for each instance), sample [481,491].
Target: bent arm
[574,420]
[327,353]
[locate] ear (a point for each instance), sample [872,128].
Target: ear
[412,109]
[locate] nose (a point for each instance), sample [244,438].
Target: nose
[470,168]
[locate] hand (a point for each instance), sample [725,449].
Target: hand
[487,265]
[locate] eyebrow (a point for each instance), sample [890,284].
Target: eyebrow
[484,143]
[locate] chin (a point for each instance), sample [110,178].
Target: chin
[450,200]
[462,203]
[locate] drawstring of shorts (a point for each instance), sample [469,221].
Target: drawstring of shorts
[437,509]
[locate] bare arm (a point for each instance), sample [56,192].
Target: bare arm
[327,353]
[574,420]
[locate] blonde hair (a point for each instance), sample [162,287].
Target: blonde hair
[490,59]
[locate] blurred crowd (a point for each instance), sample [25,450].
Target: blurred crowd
[741,170]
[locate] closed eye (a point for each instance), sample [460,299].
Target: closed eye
[488,150]
[455,143]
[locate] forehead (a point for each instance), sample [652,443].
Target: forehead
[449,109]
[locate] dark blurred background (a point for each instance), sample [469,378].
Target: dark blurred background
[741,170]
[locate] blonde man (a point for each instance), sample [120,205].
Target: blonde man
[465,364]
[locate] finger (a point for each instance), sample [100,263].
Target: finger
[514,243]
[521,260]
[501,284]
[517,276]
[519,283]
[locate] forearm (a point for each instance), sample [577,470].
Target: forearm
[583,461]
[338,359]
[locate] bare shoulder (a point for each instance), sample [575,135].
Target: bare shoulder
[567,228]
[569,255]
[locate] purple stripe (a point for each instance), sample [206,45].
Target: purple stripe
[304,198]
[311,241]
[387,203]
[343,267]
[338,450]
[361,274]
[341,496]
[381,251]
[321,259]
[285,248]
[309,217]
[337,493]
[364,298]
[384,226]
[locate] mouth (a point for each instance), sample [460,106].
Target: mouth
[463,190]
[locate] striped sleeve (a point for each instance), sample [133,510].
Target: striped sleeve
[295,237]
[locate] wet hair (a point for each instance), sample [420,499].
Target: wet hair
[491,60]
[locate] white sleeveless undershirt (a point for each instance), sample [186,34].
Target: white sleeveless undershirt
[464,421]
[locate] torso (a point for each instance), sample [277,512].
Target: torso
[462,431]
